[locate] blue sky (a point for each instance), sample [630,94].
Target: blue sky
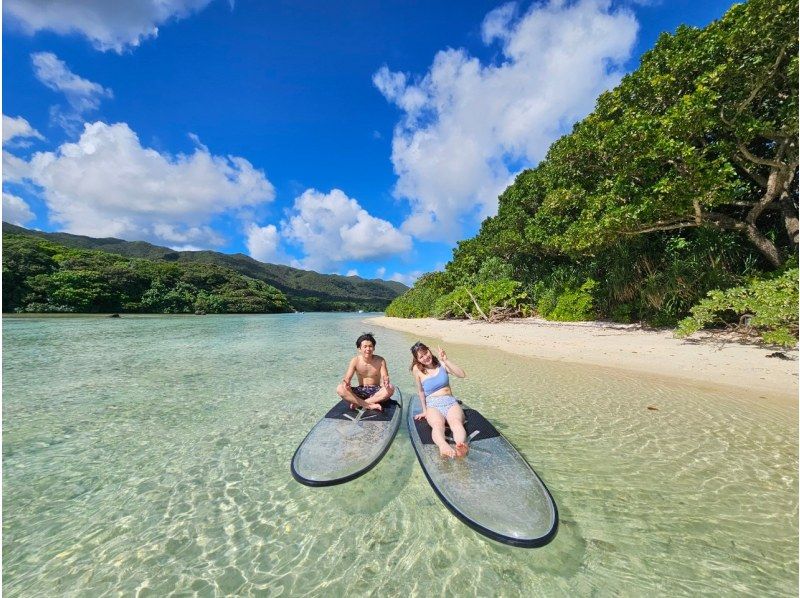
[358,137]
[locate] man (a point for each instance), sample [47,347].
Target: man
[373,377]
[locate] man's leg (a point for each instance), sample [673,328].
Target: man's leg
[384,394]
[346,393]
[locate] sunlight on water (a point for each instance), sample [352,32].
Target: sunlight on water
[150,456]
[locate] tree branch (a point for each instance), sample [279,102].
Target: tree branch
[471,296]
[764,80]
[662,225]
[746,153]
[756,178]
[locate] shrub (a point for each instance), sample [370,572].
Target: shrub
[771,304]
[505,294]
[418,301]
[573,304]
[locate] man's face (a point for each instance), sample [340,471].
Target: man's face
[366,349]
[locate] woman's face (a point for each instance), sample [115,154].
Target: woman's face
[424,356]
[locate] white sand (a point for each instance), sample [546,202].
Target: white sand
[702,359]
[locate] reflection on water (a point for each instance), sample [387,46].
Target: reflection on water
[151,455]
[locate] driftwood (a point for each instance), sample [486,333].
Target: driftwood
[478,307]
[498,314]
[461,307]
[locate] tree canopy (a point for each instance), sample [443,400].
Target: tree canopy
[682,181]
[40,276]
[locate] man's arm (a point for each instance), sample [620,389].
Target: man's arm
[351,369]
[384,373]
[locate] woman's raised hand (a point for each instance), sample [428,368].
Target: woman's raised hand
[442,354]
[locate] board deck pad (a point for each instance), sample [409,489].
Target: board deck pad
[339,449]
[493,489]
[342,409]
[475,422]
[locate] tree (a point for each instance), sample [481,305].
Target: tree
[703,134]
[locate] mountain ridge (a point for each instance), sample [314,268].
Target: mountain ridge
[305,289]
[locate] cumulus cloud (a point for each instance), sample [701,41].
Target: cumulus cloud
[16,210]
[82,95]
[18,131]
[263,243]
[352,272]
[467,128]
[332,228]
[108,184]
[108,25]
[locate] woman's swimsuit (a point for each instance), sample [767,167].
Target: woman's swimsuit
[438,381]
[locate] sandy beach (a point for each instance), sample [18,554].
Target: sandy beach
[701,359]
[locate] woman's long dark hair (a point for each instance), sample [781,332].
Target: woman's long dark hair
[416,348]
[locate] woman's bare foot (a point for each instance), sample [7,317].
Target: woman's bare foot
[447,452]
[375,406]
[462,448]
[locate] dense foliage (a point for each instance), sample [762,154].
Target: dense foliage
[681,182]
[766,306]
[40,276]
[305,290]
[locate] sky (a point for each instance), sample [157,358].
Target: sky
[363,138]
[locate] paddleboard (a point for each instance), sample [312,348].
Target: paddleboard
[493,489]
[346,443]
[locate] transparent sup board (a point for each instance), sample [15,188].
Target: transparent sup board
[346,443]
[493,489]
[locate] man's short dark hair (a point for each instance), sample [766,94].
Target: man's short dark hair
[365,337]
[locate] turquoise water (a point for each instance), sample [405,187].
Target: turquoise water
[150,456]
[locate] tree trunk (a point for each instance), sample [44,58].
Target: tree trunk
[790,218]
[764,245]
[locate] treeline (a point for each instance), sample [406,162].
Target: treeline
[305,290]
[40,276]
[676,199]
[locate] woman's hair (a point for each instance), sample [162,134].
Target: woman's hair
[416,348]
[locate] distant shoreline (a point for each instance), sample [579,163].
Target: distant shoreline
[701,359]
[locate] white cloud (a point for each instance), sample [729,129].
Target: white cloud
[263,244]
[16,133]
[15,130]
[108,25]
[15,210]
[352,272]
[332,228]
[408,279]
[468,128]
[380,272]
[107,184]
[83,95]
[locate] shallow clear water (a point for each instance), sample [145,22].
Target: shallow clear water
[150,456]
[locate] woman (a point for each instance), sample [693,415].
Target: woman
[438,403]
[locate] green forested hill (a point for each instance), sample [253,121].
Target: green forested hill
[677,197]
[306,291]
[41,276]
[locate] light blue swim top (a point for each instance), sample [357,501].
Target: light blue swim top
[436,382]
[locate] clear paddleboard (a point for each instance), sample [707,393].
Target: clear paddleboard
[493,489]
[346,443]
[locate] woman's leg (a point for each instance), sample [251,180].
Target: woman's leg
[455,418]
[436,422]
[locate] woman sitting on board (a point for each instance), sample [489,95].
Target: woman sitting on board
[438,403]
